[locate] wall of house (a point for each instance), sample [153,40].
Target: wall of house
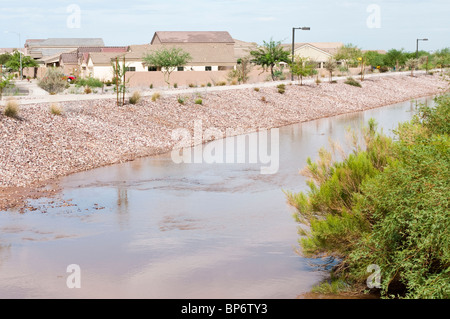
[186,78]
[313,54]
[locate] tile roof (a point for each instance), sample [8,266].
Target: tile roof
[69,58]
[193,37]
[65,42]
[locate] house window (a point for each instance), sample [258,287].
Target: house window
[130,69]
[152,68]
[208,68]
[180,68]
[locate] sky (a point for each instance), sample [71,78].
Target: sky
[368,24]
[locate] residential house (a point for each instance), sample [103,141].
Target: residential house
[210,50]
[243,49]
[44,48]
[320,52]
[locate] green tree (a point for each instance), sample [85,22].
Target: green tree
[14,62]
[375,59]
[270,54]
[442,58]
[348,53]
[302,67]
[4,58]
[395,58]
[168,59]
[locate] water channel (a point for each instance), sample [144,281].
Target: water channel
[152,228]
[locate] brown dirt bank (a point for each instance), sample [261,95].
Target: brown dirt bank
[38,146]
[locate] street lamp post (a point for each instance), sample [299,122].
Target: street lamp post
[293,45]
[417,46]
[20,53]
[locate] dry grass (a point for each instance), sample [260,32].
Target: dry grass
[11,108]
[156,96]
[55,109]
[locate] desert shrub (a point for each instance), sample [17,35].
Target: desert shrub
[135,98]
[156,96]
[108,83]
[192,85]
[53,81]
[181,100]
[11,109]
[199,101]
[55,109]
[353,82]
[90,82]
[263,99]
[151,86]
[175,85]
[221,83]
[208,84]
[256,89]
[385,204]
[384,69]
[87,90]
[281,88]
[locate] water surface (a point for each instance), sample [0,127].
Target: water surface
[155,229]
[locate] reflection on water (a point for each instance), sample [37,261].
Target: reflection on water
[155,229]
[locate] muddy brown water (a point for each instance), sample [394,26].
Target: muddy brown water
[152,228]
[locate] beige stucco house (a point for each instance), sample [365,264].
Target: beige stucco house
[320,52]
[210,50]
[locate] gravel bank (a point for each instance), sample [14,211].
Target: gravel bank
[39,146]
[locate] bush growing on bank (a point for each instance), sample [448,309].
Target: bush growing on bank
[385,204]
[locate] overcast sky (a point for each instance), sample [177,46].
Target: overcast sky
[371,24]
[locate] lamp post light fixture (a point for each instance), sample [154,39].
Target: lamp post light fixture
[20,53]
[417,46]
[293,45]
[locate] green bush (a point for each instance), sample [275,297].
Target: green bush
[181,100]
[353,82]
[387,203]
[199,101]
[90,82]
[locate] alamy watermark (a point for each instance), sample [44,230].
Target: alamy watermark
[373,21]
[74,279]
[234,149]
[374,280]
[74,19]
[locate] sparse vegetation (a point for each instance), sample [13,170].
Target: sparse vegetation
[135,98]
[53,81]
[156,96]
[181,100]
[199,101]
[352,81]
[55,109]
[11,108]
[281,88]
